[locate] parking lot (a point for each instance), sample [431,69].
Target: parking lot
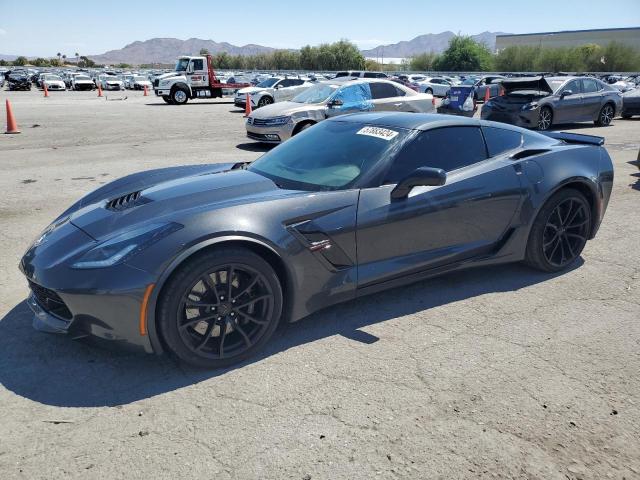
[503,372]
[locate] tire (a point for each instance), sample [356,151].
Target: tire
[429,91]
[302,128]
[560,231]
[605,117]
[214,332]
[179,96]
[167,99]
[264,101]
[545,119]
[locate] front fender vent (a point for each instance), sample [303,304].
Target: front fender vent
[125,201]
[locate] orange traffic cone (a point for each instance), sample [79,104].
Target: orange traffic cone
[99,90]
[46,91]
[486,95]
[247,106]
[12,126]
[433,100]
[146,93]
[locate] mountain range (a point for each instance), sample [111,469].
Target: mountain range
[431,42]
[166,50]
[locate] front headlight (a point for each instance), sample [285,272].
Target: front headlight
[121,247]
[529,106]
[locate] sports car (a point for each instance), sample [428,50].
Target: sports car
[204,261]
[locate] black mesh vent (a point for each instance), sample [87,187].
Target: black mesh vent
[50,301]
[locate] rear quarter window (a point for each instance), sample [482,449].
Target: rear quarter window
[500,140]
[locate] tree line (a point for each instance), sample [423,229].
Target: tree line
[465,54]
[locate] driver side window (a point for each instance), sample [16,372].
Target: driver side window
[198,65]
[574,86]
[448,148]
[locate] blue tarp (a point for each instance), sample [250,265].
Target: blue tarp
[355,98]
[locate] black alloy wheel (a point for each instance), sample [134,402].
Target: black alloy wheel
[605,117]
[264,101]
[560,231]
[221,309]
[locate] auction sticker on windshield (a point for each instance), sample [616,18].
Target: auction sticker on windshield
[383,133]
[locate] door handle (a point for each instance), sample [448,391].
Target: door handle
[398,104]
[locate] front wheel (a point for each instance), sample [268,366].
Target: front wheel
[264,101]
[545,118]
[167,99]
[559,232]
[220,307]
[429,91]
[179,96]
[605,116]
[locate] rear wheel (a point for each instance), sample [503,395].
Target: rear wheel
[545,118]
[429,91]
[220,307]
[560,231]
[605,116]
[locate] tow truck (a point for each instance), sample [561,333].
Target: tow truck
[193,77]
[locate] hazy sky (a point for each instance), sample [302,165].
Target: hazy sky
[35,27]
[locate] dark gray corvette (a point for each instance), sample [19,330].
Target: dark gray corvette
[541,102]
[203,261]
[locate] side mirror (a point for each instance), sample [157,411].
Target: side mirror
[336,102]
[424,176]
[566,93]
[190,68]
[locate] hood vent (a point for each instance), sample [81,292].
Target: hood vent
[125,201]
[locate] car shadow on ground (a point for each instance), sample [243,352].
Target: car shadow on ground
[255,147]
[55,370]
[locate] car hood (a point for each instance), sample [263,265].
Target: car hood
[281,109]
[172,196]
[529,84]
[252,90]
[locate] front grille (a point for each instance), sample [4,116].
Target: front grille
[266,122]
[263,137]
[123,202]
[50,301]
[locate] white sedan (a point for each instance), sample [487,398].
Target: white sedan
[436,86]
[53,82]
[274,89]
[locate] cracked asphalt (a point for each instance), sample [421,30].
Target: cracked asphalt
[499,372]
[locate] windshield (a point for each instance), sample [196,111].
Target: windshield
[349,151]
[555,84]
[469,81]
[138,78]
[82,77]
[53,77]
[315,94]
[181,64]
[269,82]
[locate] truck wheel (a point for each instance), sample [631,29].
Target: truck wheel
[167,99]
[179,96]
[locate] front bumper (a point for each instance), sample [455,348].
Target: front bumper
[445,109]
[242,101]
[269,134]
[519,118]
[105,302]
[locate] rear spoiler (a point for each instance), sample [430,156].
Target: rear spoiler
[576,138]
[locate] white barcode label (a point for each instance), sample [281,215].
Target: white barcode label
[378,132]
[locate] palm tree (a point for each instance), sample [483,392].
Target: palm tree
[77,58]
[58,55]
[64,59]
